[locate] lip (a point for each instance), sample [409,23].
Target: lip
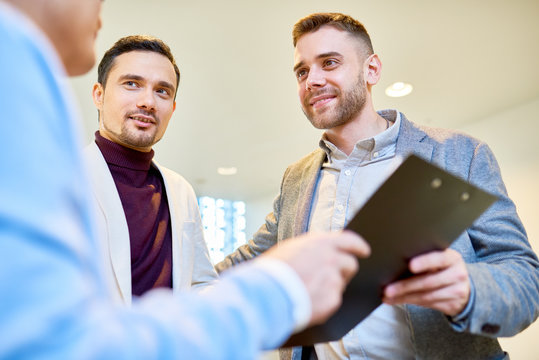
[143,121]
[321,100]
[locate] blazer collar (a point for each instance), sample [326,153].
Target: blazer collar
[309,178]
[109,201]
[411,140]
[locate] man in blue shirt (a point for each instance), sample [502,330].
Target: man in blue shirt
[55,300]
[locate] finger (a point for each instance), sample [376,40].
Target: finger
[349,266]
[352,243]
[426,282]
[442,294]
[450,300]
[434,260]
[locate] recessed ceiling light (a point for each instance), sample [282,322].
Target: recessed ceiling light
[227,170]
[399,89]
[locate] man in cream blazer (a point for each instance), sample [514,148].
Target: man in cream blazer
[191,266]
[148,215]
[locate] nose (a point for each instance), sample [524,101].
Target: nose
[146,100]
[315,79]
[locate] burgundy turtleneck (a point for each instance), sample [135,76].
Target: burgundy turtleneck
[145,205]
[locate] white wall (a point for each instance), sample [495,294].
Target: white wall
[513,137]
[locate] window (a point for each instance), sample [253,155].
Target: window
[224,225]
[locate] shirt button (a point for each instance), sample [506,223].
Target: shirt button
[339,207]
[375,154]
[347,172]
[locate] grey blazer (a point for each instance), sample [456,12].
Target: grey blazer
[503,268]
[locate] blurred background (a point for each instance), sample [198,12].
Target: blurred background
[472,64]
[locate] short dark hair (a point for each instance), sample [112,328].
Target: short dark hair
[340,21]
[134,43]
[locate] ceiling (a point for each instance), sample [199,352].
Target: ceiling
[237,103]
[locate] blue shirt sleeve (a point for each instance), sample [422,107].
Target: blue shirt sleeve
[54,299]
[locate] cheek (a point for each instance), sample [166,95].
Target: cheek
[113,112]
[118,101]
[165,113]
[162,128]
[301,92]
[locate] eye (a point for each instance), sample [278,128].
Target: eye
[163,91]
[330,63]
[130,84]
[301,73]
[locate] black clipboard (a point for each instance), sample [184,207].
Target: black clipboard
[419,208]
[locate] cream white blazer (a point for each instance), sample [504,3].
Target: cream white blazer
[191,265]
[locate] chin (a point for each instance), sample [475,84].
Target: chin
[321,122]
[319,125]
[81,66]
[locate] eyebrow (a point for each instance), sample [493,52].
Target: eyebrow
[321,56]
[161,83]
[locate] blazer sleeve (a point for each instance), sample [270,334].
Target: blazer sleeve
[263,239]
[504,270]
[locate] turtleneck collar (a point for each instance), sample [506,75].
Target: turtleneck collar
[122,156]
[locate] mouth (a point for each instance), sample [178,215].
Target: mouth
[142,121]
[321,100]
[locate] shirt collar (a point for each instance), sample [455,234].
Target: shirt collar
[380,143]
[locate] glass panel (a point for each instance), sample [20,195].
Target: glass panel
[224,225]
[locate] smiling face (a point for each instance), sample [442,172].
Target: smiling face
[138,101]
[329,71]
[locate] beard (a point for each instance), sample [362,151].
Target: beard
[132,136]
[350,103]
[137,138]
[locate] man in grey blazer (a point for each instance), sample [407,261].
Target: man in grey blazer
[148,215]
[486,285]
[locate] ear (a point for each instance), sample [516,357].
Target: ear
[174,107]
[372,69]
[98,93]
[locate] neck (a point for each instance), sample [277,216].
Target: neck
[120,155]
[365,125]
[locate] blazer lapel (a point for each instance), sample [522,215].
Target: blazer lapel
[116,224]
[176,209]
[307,183]
[410,140]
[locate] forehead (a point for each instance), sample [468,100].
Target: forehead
[327,39]
[147,64]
